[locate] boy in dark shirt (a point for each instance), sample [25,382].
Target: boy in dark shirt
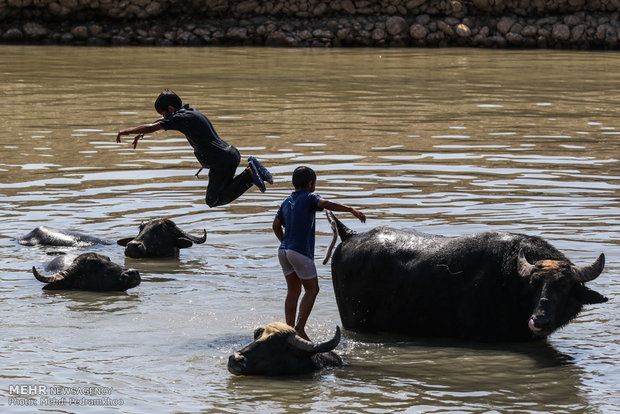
[297,215]
[221,158]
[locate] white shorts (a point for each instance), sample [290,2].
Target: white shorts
[292,261]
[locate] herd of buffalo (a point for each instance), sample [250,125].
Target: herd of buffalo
[490,287]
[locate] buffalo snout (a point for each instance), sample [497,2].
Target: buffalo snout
[135,249]
[131,278]
[237,364]
[540,325]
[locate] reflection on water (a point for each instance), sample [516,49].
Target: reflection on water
[444,141]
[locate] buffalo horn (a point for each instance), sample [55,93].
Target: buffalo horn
[308,346]
[48,279]
[525,267]
[332,223]
[195,239]
[591,272]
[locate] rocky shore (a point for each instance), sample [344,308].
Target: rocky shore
[560,24]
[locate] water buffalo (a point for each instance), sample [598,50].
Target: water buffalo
[490,286]
[278,350]
[47,236]
[91,271]
[159,237]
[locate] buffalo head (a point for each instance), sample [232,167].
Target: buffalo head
[278,350]
[91,271]
[559,290]
[159,238]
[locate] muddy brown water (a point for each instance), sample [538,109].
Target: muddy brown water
[448,141]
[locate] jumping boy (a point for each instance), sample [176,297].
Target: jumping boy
[221,158]
[294,226]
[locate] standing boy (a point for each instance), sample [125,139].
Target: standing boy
[221,158]
[294,226]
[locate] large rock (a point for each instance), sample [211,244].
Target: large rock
[279,39]
[505,24]
[418,31]
[462,30]
[80,32]
[13,34]
[34,30]
[237,33]
[396,25]
[412,4]
[560,32]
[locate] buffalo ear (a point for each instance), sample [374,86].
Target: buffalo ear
[182,243]
[258,332]
[123,242]
[588,296]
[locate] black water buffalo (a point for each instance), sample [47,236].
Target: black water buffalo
[159,237]
[91,271]
[489,286]
[278,350]
[48,236]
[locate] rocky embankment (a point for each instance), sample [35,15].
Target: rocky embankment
[566,24]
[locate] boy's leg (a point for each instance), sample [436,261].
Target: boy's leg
[228,192]
[293,290]
[311,290]
[305,270]
[223,188]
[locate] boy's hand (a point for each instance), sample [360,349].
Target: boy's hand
[136,139]
[359,215]
[118,138]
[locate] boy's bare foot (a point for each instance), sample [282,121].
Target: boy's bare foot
[303,335]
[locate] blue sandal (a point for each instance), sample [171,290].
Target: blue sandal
[264,173]
[256,178]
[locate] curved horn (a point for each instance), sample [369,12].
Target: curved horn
[48,279]
[523,266]
[195,239]
[307,346]
[591,272]
[332,223]
[343,231]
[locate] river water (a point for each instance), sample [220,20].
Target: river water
[448,141]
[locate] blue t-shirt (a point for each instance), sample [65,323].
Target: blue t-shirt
[209,148]
[298,216]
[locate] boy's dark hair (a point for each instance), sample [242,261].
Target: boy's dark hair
[302,176]
[167,98]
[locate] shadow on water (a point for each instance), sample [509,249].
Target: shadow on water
[445,373]
[85,301]
[176,265]
[539,351]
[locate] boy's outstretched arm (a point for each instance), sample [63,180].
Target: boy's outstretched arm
[333,206]
[139,131]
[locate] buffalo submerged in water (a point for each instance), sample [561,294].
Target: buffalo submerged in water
[49,236]
[90,271]
[159,237]
[278,350]
[490,286]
